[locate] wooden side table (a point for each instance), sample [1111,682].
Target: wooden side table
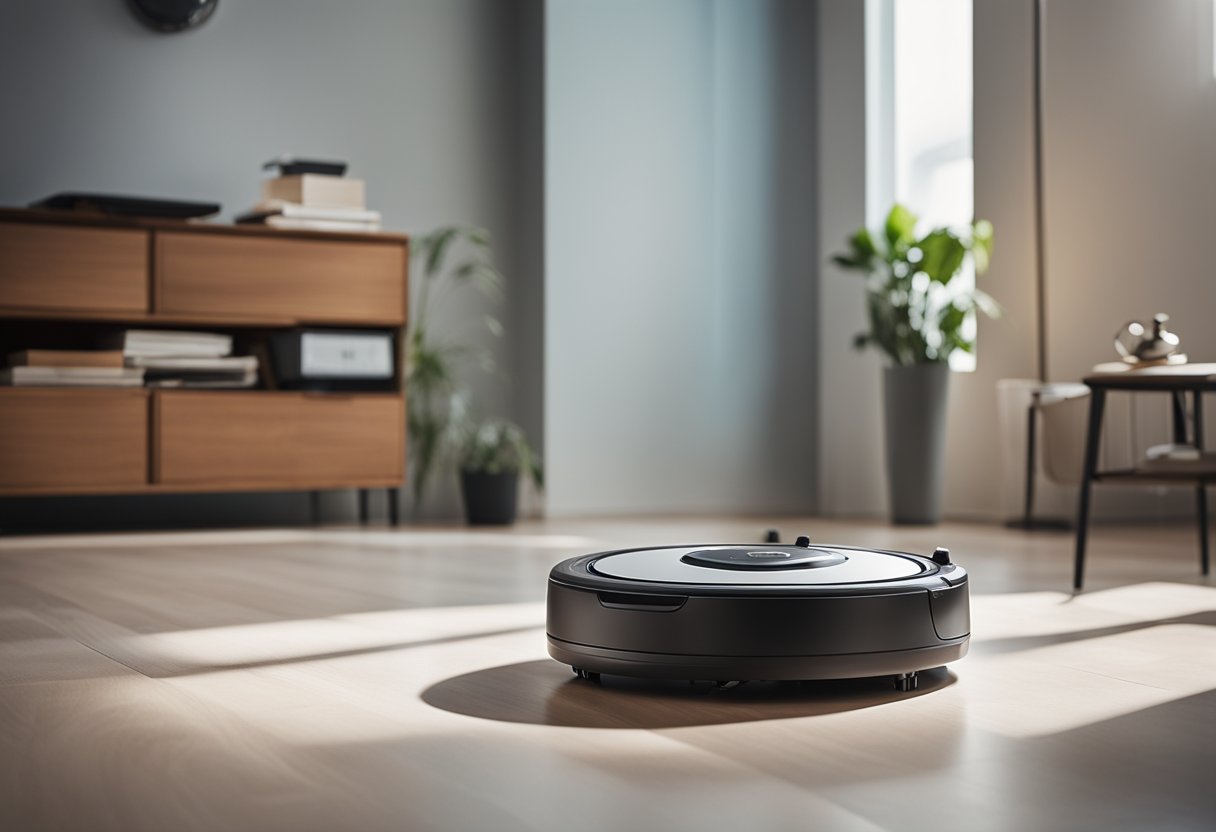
[1177,381]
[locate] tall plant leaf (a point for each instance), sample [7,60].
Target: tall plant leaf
[862,253]
[907,319]
[437,245]
[899,228]
[942,255]
[431,377]
[981,245]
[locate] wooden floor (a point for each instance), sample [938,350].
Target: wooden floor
[366,680]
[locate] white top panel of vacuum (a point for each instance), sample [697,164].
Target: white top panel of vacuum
[764,564]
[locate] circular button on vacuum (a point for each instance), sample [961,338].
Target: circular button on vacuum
[800,558]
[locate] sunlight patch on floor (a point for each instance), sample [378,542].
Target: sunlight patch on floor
[153,540]
[1062,687]
[459,537]
[319,638]
[1029,614]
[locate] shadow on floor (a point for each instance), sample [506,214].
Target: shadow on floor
[546,693]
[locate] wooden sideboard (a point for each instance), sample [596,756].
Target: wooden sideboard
[69,281]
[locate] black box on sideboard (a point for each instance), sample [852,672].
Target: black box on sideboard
[334,360]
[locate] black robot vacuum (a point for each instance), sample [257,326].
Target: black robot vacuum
[731,613]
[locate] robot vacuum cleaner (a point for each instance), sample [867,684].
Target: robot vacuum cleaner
[731,613]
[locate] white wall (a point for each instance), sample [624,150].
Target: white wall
[1130,159]
[679,299]
[1130,169]
[1003,151]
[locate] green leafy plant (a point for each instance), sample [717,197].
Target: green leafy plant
[916,316]
[498,446]
[450,260]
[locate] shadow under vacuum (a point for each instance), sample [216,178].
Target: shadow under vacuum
[547,693]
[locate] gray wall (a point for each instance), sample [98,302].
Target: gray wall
[1003,143]
[679,238]
[850,409]
[436,103]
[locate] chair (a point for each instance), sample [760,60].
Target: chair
[1055,435]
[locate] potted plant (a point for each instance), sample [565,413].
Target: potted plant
[448,260]
[492,457]
[917,319]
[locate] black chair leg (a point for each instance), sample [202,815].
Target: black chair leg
[1179,411]
[362,506]
[394,498]
[1201,491]
[1031,442]
[1093,441]
[1203,529]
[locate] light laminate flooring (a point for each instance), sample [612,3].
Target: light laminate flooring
[346,679]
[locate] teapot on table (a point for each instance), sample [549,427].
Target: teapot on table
[1158,346]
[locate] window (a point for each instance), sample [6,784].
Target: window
[918,80]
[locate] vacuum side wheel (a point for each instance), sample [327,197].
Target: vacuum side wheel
[585,674]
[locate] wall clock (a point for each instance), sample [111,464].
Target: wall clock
[173,15]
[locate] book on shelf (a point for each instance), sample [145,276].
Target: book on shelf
[301,224]
[315,190]
[204,380]
[1201,462]
[191,363]
[1173,451]
[65,358]
[151,342]
[278,207]
[287,164]
[197,370]
[72,377]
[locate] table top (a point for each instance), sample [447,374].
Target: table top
[1118,375]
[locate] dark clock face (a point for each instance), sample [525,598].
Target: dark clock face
[173,15]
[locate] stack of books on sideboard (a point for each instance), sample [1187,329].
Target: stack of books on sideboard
[69,368]
[312,195]
[136,357]
[186,359]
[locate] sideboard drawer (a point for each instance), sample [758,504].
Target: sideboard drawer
[290,439]
[73,440]
[64,268]
[302,279]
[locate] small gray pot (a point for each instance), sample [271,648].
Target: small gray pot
[915,416]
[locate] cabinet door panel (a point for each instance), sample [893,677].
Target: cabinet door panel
[72,269]
[73,440]
[301,279]
[295,439]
